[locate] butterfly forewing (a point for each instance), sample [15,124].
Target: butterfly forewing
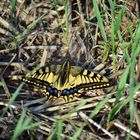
[36,82]
[49,74]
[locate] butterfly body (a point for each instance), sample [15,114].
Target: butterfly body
[66,80]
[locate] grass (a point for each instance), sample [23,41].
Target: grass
[24,123]
[114,31]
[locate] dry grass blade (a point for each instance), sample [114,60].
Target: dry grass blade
[85,117]
[101,36]
[126,129]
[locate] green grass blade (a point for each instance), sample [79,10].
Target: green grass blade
[92,114]
[117,107]
[118,21]
[52,134]
[100,106]
[100,20]
[13,98]
[77,133]
[122,83]
[27,31]
[136,44]
[59,126]
[135,53]
[23,124]
[67,19]
[19,127]
[102,28]
[13,7]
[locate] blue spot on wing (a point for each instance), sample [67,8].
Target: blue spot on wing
[52,91]
[67,92]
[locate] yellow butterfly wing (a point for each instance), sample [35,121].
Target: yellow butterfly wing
[87,79]
[45,74]
[80,79]
[66,80]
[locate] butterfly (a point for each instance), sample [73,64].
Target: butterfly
[66,80]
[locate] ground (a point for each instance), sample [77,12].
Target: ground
[102,36]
